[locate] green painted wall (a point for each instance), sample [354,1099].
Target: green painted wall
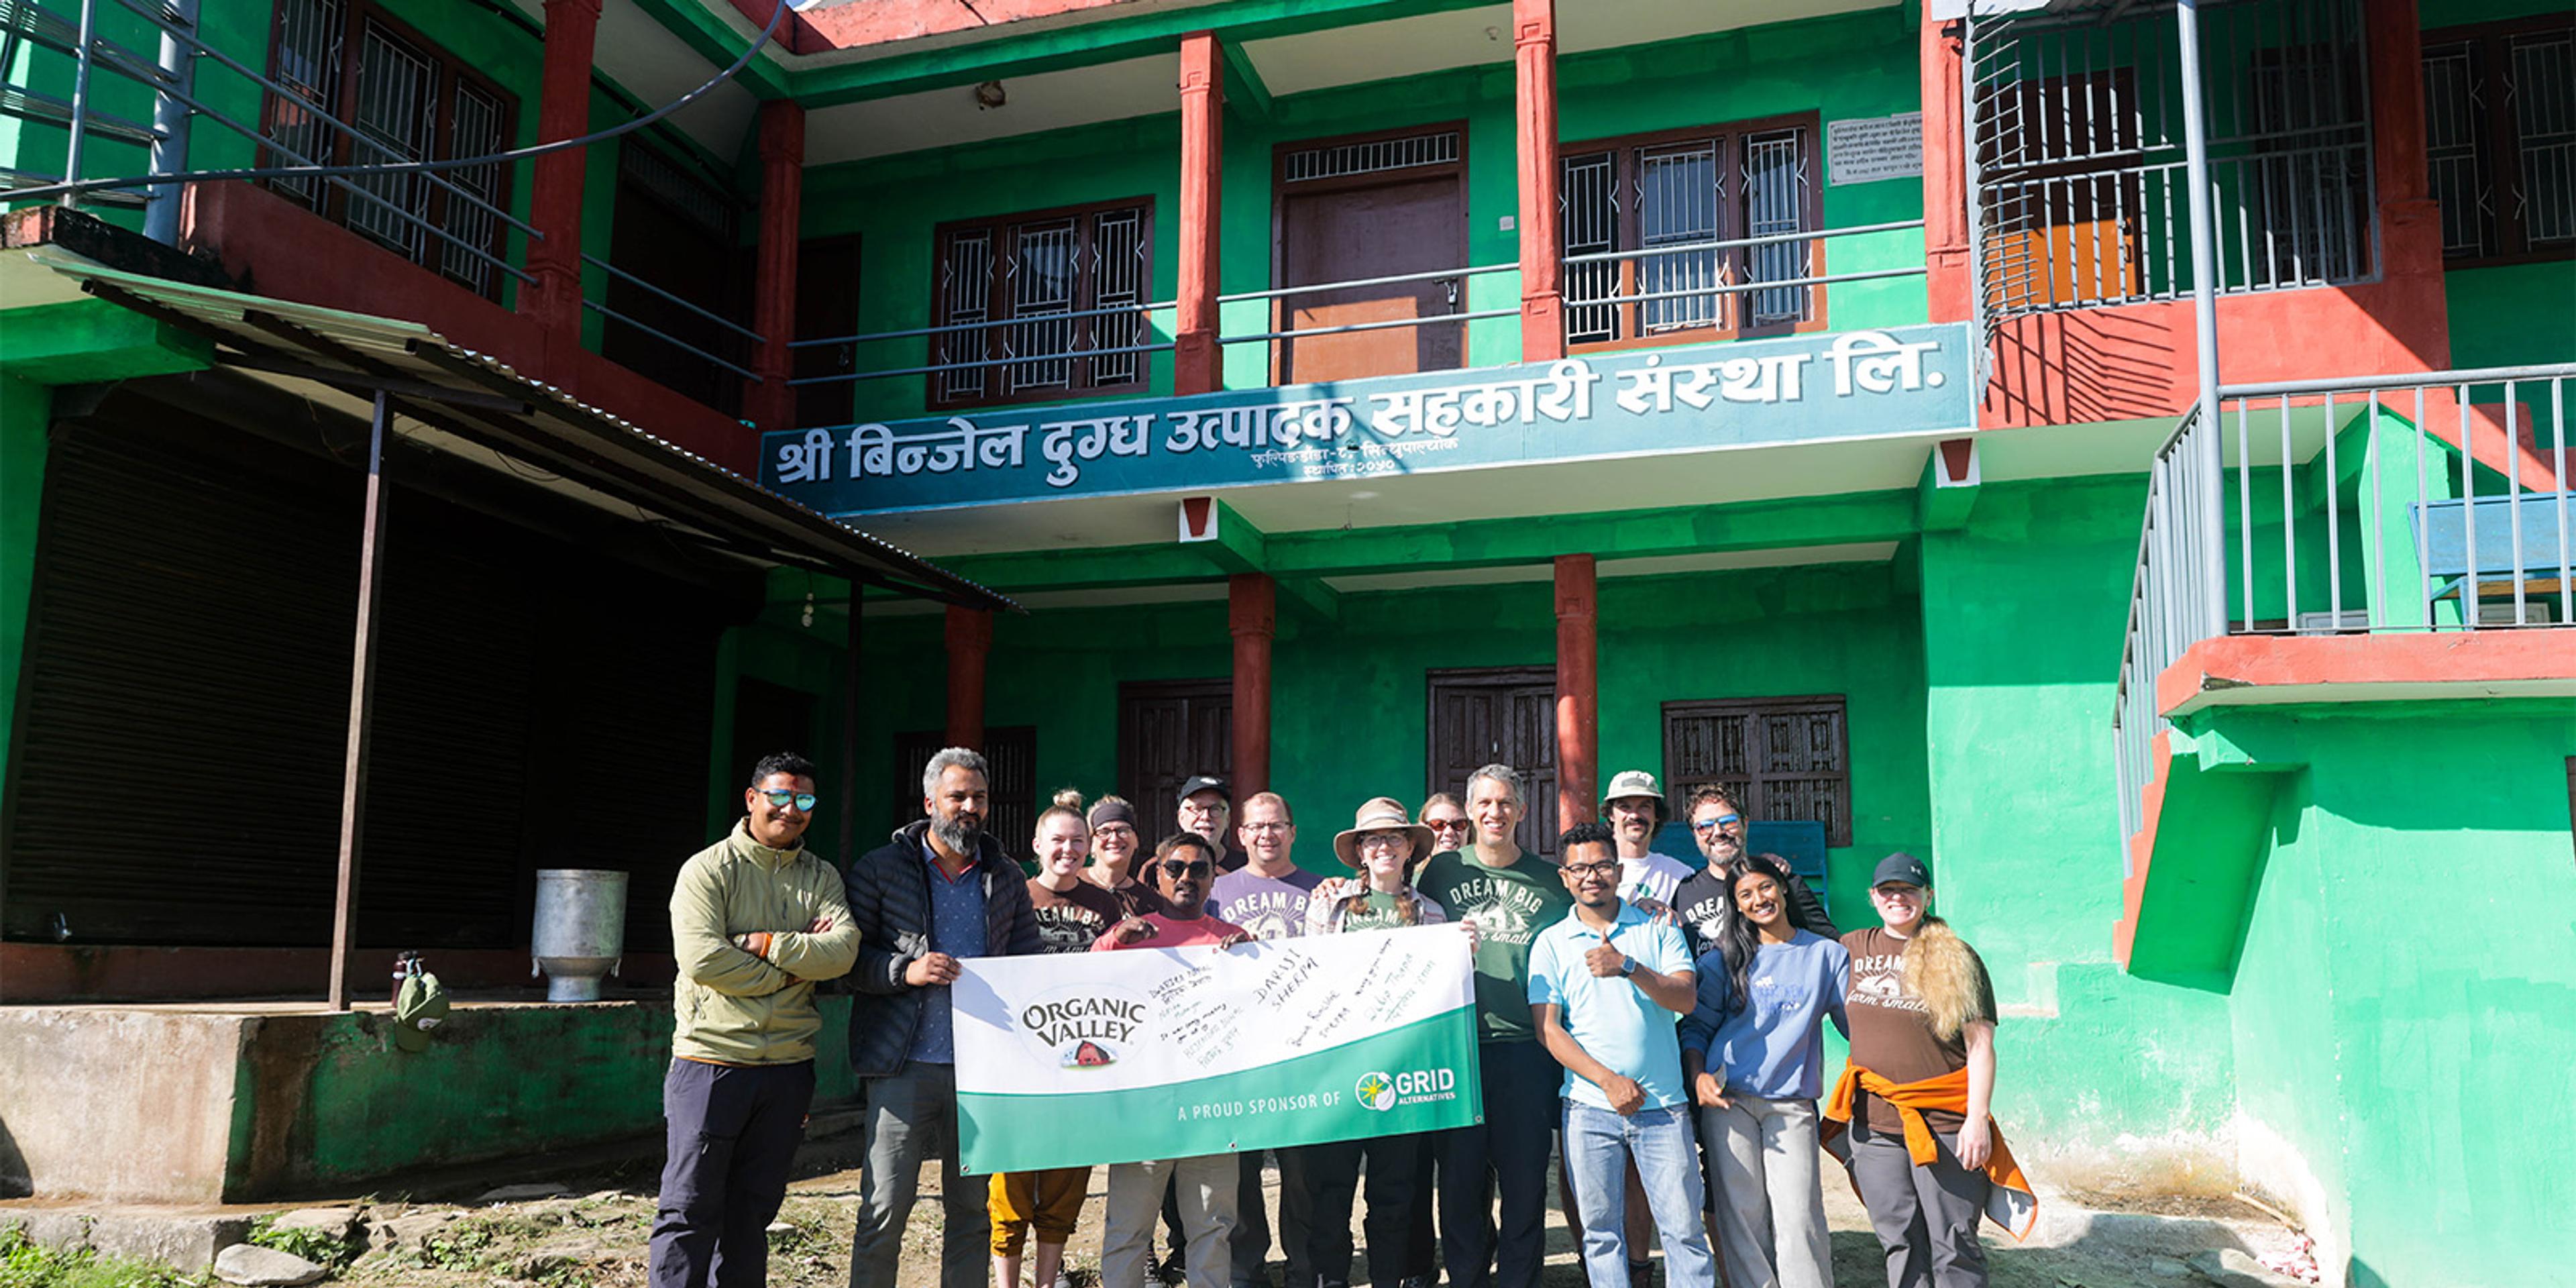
[1349,700]
[326,1101]
[2403,1003]
[2023,613]
[26,411]
[1850,66]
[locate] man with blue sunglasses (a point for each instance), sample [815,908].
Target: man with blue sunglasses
[1701,904]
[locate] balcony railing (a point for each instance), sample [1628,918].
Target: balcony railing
[1724,286]
[2419,503]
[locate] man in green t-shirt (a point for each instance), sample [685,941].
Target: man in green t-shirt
[1509,896]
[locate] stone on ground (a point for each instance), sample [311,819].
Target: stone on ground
[257,1267]
[338,1222]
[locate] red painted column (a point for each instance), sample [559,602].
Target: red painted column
[1252,616]
[1198,365]
[554,200]
[2410,221]
[782,194]
[1578,671]
[1945,173]
[1534,110]
[970,642]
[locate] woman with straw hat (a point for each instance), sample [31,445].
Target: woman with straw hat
[1380,846]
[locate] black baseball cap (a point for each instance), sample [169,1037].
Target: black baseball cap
[1903,867]
[1204,783]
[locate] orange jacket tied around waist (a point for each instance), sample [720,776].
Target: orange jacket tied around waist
[2010,1202]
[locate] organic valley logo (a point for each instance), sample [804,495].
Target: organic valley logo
[1087,1027]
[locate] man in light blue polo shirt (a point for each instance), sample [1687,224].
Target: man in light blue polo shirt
[1606,986]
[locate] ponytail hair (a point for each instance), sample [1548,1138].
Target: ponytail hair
[1938,968]
[1067,802]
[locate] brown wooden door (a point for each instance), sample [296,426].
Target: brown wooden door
[1168,731]
[1503,715]
[1373,222]
[827,304]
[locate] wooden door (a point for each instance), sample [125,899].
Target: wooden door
[1372,208]
[1168,732]
[677,234]
[827,305]
[1501,715]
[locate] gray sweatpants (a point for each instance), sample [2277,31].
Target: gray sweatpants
[1770,1202]
[912,1117]
[1926,1217]
[1206,1186]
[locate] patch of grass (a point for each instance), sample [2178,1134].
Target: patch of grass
[321,1247]
[26,1264]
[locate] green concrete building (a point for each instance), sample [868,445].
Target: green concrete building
[1339,396]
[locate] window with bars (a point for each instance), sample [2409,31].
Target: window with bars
[403,99]
[2500,139]
[1649,206]
[1781,758]
[1037,306]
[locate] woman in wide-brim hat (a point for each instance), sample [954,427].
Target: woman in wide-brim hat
[1380,847]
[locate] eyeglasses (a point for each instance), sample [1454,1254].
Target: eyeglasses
[1193,807]
[1113,829]
[803,801]
[1382,841]
[1267,827]
[1190,868]
[1722,820]
[1604,869]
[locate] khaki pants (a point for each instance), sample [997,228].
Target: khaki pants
[1050,1200]
[1206,1186]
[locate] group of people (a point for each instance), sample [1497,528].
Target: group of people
[1658,1027]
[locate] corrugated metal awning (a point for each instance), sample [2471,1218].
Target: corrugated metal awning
[463,397]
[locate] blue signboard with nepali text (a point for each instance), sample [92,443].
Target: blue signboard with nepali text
[1800,389]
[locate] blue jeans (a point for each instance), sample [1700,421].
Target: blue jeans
[1598,1147]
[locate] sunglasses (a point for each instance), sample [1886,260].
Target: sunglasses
[1191,868]
[803,801]
[1445,824]
[1722,820]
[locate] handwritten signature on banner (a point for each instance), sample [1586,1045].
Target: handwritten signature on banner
[1407,421]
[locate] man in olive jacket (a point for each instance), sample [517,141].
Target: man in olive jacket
[756,919]
[942,890]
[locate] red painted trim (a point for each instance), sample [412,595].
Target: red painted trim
[782,197]
[2466,658]
[2142,849]
[1198,365]
[1252,617]
[283,251]
[1945,173]
[554,203]
[1578,669]
[880,22]
[1534,114]
[970,643]
[83,973]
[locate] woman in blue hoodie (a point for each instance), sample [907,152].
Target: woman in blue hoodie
[1754,1053]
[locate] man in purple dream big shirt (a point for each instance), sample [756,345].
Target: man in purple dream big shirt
[1267,896]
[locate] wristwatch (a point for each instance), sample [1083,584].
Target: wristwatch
[1627,966]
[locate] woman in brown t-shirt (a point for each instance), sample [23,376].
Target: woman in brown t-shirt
[1921,1007]
[1114,846]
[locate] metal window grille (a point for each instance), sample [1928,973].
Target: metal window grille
[1679,190]
[1781,758]
[1775,201]
[1042,271]
[1588,196]
[2544,106]
[1118,256]
[2451,97]
[2076,160]
[396,102]
[966,289]
[307,59]
[1341,159]
[474,129]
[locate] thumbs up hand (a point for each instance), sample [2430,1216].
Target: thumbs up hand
[1604,958]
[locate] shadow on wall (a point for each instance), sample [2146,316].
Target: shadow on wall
[2088,365]
[16,1182]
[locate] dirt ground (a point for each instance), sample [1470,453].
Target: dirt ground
[597,1240]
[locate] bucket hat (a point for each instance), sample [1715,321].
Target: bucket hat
[1383,814]
[1635,782]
